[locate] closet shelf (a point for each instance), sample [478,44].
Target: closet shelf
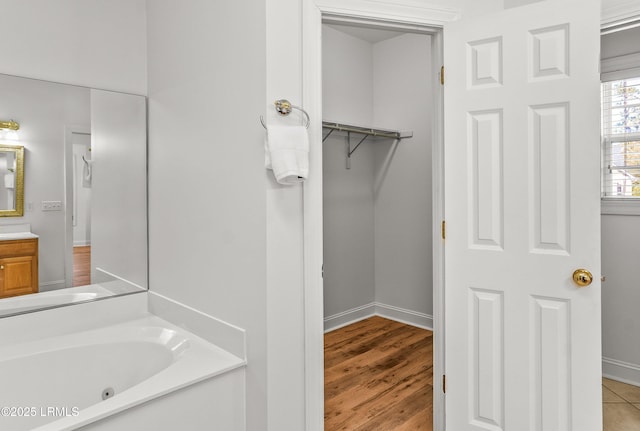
[391,134]
[366,131]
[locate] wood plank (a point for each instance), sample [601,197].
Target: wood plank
[81,265]
[378,376]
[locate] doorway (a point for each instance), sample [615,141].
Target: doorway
[78,207]
[81,212]
[381,97]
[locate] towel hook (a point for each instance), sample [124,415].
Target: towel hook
[284,107]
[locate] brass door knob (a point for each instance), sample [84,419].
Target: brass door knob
[582,277]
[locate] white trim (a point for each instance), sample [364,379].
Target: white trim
[339,320]
[409,12]
[623,15]
[621,371]
[613,206]
[621,67]
[229,337]
[402,315]
[81,243]
[312,219]
[437,211]
[413,12]
[117,277]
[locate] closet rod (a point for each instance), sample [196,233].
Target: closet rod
[389,134]
[364,131]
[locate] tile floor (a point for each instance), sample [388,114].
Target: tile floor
[621,406]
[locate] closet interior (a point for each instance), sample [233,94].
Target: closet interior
[377,211]
[378,106]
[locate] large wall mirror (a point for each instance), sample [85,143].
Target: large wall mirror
[73,195]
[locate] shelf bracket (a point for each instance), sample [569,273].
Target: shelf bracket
[324,138]
[351,151]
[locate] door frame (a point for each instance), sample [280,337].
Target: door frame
[409,15]
[69,131]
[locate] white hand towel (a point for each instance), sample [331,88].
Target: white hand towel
[86,173]
[287,153]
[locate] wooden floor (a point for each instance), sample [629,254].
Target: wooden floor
[378,377]
[81,266]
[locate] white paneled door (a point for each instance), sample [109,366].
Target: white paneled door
[522,213]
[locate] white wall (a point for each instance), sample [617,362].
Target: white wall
[94,43]
[119,188]
[403,77]
[206,65]
[347,79]
[620,294]
[284,262]
[43,110]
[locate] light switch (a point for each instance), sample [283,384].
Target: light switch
[51,205]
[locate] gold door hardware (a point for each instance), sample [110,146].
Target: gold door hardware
[11,125]
[1,266]
[582,277]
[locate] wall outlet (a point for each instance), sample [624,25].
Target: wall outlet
[51,205]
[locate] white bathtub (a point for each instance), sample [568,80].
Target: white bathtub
[57,383]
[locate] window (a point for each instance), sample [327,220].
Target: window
[621,139]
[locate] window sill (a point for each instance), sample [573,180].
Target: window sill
[613,206]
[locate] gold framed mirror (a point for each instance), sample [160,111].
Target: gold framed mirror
[11,181]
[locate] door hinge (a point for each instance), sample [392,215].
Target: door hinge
[444,383]
[322,270]
[444,229]
[442,75]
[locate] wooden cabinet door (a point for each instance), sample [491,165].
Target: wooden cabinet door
[17,276]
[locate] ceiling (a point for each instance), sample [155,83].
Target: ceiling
[368,34]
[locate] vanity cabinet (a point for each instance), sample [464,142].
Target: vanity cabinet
[18,267]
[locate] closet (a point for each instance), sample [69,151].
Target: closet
[377,185]
[377,213]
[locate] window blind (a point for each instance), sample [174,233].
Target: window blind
[621,138]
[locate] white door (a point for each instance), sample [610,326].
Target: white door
[522,213]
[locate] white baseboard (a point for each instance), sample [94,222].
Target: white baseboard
[348,317]
[410,317]
[398,314]
[81,243]
[621,371]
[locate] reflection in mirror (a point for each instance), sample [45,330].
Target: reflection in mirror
[82,164]
[11,181]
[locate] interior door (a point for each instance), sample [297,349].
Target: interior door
[522,214]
